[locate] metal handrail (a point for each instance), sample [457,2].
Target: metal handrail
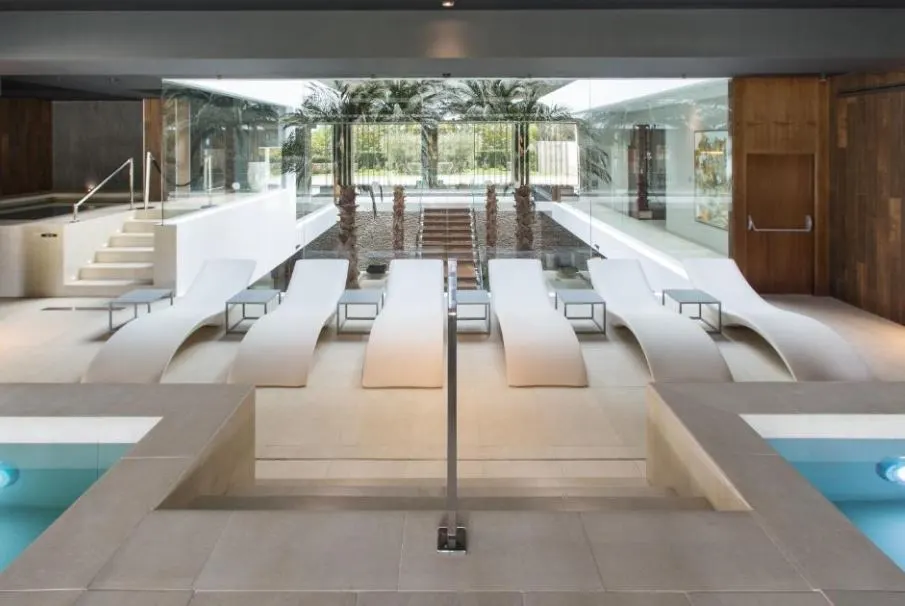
[451,537]
[131,164]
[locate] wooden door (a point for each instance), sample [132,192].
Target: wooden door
[780,192]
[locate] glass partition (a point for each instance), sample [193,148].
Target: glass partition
[669,167]
[219,145]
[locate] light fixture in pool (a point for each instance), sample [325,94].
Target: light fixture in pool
[892,469]
[9,475]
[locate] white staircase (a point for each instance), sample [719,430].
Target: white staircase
[125,263]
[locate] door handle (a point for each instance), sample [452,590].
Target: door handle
[808,227]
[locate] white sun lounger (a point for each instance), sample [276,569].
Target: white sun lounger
[405,347]
[278,349]
[811,350]
[540,344]
[676,348]
[140,351]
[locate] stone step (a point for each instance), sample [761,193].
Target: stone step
[117,271]
[132,240]
[140,226]
[138,254]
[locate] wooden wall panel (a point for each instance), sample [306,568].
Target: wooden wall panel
[784,117]
[867,252]
[26,146]
[152,110]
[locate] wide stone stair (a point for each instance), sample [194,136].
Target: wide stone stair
[449,233]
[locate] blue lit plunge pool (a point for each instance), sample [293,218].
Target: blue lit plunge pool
[845,471]
[38,482]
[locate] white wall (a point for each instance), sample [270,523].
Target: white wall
[262,228]
[52,253]
[662,271]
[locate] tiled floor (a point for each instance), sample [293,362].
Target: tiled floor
[334,429]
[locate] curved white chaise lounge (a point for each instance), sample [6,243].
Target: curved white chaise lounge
[675,347]
[405,347]
[140,351]
[539,342]
[278,349]
[811,350]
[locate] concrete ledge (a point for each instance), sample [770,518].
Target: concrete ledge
[203,445]
[703,443]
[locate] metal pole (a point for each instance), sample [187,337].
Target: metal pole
[452,537]
[148,158]
[131,183]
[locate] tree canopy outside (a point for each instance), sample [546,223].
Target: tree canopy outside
[474,130]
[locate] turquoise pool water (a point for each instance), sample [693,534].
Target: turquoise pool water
[51,478]
[845,472]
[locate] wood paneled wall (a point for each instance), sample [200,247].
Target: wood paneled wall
[152,110]
[867,250]
[26,146]
[780,171]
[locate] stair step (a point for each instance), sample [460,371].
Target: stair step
[138,254]
[104,288]
[132,240]
[117,271]
[140,226]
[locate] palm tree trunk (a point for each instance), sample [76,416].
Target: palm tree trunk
[520,153]
[430,137]
[342,156]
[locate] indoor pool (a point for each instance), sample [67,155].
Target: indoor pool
[33,209]
[846,472]
[38,482]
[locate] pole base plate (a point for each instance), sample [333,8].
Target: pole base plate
[446,545]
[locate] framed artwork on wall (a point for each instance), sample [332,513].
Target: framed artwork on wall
[712,177]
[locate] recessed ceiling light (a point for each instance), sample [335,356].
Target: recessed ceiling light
[448,3]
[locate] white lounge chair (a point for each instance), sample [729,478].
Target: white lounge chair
[405,347]
[140,351]
[540,344]
[811,350]
[278,349]
[676,348]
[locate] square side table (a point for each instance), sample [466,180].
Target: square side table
[693,296]
[251,296]
[575,296]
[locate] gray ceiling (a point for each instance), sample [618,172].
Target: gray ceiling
[393,44]
[339,5]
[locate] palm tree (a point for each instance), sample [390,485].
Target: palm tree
[338,105]
[516,101]
[421,101]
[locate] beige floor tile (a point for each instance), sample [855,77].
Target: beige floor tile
[306,551]
[39,598]
[773,598]
[134,598]
[508,551]
[687,551]
[166,551]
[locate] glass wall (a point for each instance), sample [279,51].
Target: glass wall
[218,144]
[668,165]
[650,158]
